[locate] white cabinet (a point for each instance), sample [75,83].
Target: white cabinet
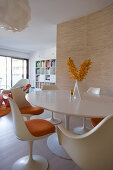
[45,72]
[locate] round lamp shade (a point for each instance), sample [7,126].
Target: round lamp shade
[14,14]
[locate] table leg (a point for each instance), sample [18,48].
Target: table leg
[67,122]
[53,143]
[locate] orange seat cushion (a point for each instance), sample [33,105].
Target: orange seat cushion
[96,121]
[4,110]
[39,127]
[31,110]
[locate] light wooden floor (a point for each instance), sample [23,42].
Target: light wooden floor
[12,149]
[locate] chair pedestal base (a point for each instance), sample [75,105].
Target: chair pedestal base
[80,130]
[54,121]
[24,163]
[55,148]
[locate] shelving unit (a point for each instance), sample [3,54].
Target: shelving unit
[45,72]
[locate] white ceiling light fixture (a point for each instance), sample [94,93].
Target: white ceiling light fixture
[14,14]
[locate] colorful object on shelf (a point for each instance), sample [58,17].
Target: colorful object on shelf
[42,64]
[82,72]
[48,63]
[53,63]
[38,64]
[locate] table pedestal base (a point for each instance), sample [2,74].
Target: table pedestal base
[81,130]
[55,148]
[54,121]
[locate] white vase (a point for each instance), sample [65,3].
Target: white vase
[76,92]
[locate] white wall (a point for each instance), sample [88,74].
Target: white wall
[40,55]
[12,53]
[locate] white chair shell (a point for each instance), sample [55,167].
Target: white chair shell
[94,91]
[92,150]
[31,161]
[21,83]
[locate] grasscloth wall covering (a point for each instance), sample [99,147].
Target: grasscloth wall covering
[87,37]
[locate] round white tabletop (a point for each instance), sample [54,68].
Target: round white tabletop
[60,101]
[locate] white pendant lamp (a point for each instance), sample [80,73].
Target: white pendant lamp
[14,14]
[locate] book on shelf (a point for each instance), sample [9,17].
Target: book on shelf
[48,63]
[42,63]
[53,63]
[38,64]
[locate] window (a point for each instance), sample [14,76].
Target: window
[12,70]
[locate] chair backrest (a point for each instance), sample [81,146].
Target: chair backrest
[20,128]
[93,90]
[49,87]
[21,83]
[19,97]
[93,150]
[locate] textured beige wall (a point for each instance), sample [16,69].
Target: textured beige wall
[87,37]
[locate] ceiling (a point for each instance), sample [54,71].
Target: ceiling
[45,15]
